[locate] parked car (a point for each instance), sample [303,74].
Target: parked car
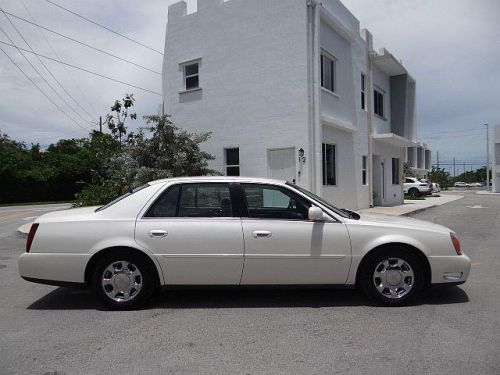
[236,231]
[461,184]
[476,184]
[415,188]
[436,188]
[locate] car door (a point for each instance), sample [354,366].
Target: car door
[195,234]
[283,247]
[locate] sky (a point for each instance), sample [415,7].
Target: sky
[451,48]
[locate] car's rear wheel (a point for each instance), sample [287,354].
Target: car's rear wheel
[414,192]
[123,280]
[392,276]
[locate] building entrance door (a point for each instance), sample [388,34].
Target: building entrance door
[281,164]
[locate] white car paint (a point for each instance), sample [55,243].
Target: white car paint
[231,251]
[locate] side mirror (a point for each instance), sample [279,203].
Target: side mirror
[315,213]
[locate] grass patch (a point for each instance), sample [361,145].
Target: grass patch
[410,198]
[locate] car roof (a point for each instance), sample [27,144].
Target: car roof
[217,179]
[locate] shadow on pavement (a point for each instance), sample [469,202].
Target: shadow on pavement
[215,298]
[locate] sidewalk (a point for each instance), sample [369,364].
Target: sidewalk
[413,206]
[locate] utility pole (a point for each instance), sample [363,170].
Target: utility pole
[454,168]
[100,124]
[437,153]
[487,157]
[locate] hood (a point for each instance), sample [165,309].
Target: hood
[401,222]
[68,214]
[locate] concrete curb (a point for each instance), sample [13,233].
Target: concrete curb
[419,210]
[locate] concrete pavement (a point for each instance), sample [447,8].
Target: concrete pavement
[449,331]
[411,207]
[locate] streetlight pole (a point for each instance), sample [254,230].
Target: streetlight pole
[487,157]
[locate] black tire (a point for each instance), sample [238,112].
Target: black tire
[146,280]
[414,192]
[367,279]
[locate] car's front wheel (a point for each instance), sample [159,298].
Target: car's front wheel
[123,280]
[392,276]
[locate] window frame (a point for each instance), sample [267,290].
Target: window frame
[377,94]
[246,213]
[333,65]
[396,180]
[237,210]
[226,165]
[364,170]
[363,91]
[324,164]
[184,66]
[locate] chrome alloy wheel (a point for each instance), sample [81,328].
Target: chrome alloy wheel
[121,281]
[393,278]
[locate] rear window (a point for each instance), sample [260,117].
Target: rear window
[121,198]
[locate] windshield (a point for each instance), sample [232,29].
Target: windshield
[313,196]
[121,197]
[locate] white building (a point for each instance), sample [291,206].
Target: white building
[292,90]
[496,160]
[419,157]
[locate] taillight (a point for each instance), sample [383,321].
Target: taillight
[456,243]
[31,235]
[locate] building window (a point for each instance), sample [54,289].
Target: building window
[378,103]
[395,171]
[363,91]
[329,165]
[328,72]
[363,170]
[232,161]
[192,76]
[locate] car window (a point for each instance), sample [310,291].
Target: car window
[166,205]
[408,181]
[274,202]
[194,200]
[126,195]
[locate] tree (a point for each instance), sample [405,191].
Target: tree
[159,150]
[440,176]
[116,121]
[407,170]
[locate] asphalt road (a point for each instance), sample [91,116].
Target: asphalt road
[456,330]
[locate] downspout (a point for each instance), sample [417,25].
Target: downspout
[369,108]
[315,155]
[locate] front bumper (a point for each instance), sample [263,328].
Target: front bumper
[452,269]
[54,269]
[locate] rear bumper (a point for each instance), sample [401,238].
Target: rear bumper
[53,269]
[449,269]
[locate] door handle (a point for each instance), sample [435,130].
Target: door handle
[261,234]
[158,233]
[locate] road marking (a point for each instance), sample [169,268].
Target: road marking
[475,264]
[476,206]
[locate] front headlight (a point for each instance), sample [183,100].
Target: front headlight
[456,243]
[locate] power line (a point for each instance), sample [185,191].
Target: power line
[104,27]
[84,44]
[64,67]
[38,87]
[83,69]
[47,69]
[41,76]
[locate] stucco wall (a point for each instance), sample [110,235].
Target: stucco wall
[253,76]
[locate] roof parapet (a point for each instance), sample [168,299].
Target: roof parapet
[208,4]
[177,10]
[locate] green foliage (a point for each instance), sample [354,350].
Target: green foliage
[440,176]
[478,175]
[159,150]
[407,170]
[99,168]
[116,121]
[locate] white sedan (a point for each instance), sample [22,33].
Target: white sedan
[236,231]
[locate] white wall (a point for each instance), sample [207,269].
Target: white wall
[253,77]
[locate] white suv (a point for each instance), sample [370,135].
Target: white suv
[414,187]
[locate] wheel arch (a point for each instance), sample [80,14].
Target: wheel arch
[399,245]
[93,261]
